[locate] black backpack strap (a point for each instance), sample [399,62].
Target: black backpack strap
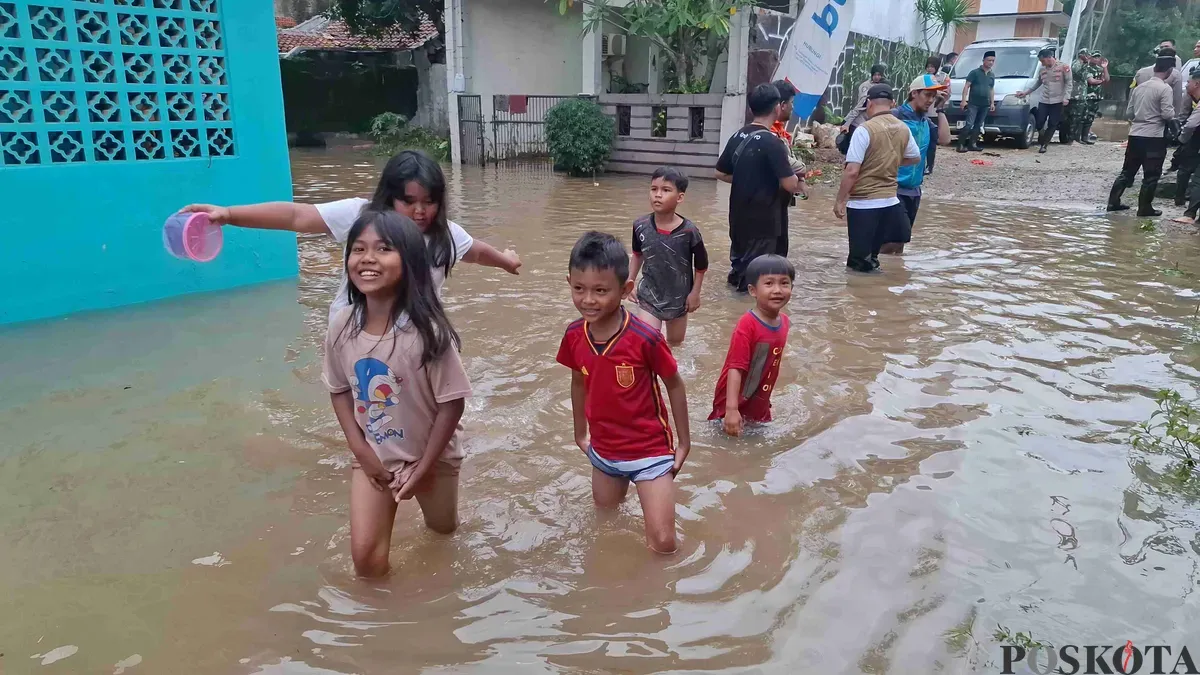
[737,154]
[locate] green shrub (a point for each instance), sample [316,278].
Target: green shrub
[1173,430]
[580,136]
[392,133]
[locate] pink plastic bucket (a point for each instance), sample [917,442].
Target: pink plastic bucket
[192,236]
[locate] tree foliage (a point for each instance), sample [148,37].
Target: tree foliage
[376,16]
[939,16]
[1135,28]
[393,133]
[690,34]
[579,136]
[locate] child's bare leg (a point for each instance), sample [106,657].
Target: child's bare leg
[676,329]
[372,514]
[658,508]
[649,318]
[439,504]
[607,491]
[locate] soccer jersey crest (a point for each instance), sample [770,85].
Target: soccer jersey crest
[625,376]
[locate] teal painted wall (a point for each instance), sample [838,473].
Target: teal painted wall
[113,114]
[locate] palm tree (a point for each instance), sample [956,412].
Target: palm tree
[941,15]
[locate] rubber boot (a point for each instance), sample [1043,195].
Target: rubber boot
[1086,136]
[1146,200]
[1114,197]
[962,143]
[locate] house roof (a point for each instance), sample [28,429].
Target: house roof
[321,33]
[284,22]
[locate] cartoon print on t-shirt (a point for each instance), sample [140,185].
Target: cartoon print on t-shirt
[376,388]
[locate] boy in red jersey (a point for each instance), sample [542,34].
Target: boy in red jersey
[615,359]
[756,348]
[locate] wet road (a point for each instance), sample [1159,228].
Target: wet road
[948,453]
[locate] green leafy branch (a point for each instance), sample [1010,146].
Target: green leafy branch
[1172,430]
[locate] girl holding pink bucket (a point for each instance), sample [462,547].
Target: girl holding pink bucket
[412,184]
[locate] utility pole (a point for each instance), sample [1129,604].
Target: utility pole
[1092,25]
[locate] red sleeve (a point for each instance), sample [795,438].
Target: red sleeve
[566,351]
[661,360]
[741,345]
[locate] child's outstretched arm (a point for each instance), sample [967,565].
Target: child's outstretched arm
[343,407]
[483,253]
[733,416]
[445,423]
[679,410]
[300,218]
[578,397]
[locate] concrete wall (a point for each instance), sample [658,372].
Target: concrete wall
[198,121]
[995,29]
[999,6]
[637,62]
[521,47]
[432,97]
[641,152]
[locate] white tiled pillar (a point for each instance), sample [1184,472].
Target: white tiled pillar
[733,107]
[455,74]
[593,81]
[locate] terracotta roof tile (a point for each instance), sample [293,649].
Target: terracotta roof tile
[335,36]
[285,22]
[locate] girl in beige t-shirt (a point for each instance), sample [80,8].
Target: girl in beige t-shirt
[397,385]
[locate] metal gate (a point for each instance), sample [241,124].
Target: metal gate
[519,124]
[470,128]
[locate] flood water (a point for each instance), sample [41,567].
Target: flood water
[948,454]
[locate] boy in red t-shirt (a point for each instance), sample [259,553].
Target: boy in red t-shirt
[756,348]
[615,360]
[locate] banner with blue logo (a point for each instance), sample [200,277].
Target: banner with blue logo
[813,49]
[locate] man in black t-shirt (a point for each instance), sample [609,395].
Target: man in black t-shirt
[757,163]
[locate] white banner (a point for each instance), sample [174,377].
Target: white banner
[817,40]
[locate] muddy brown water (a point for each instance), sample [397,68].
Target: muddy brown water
[948,454]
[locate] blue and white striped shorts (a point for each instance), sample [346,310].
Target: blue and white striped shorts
[636,470]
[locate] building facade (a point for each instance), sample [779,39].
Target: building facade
[998,19]
[113,114]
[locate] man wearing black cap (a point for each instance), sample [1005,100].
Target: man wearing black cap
[1055,76]
[878,76]
[1151,106]
[867,196]
[1166,50]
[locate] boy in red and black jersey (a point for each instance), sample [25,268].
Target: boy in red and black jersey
[756,347]
[616,361]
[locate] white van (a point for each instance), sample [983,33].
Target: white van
[1016,67]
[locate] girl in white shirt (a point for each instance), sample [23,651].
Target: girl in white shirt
[412,184]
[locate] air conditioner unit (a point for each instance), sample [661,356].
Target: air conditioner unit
[612,44]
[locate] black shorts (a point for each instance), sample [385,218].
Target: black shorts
[663,306]
[911,205]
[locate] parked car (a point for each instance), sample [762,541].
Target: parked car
[1015,70]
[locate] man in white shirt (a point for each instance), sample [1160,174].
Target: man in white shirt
[867,196]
